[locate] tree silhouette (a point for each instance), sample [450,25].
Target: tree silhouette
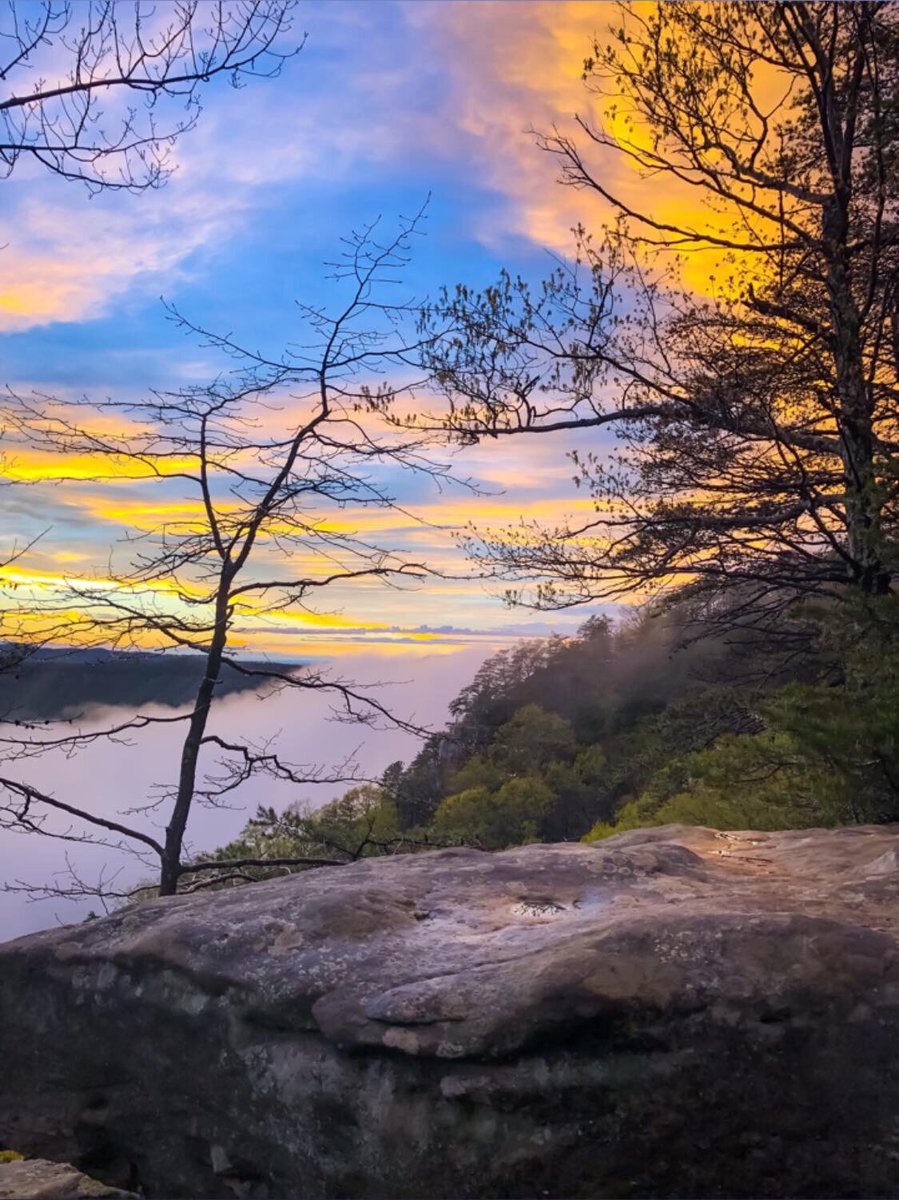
[266,459]
[739,443]
[98,91]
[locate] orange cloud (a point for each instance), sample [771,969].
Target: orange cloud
[518,68]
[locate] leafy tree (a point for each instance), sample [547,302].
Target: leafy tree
[532,739]
[480,772]
[510,816]
[503,683]
[761,781]
[360,824]
[580,790]
[527,743]
[755,429]
[416,789]
[533,780]
[848,731]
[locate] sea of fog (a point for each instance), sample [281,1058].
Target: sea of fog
[109,779]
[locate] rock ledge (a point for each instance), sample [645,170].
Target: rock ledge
[672,1012]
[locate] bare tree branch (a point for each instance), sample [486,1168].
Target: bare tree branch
[99,90]
[266,457]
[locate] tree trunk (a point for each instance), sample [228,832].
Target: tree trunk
[867,569]
[174,833]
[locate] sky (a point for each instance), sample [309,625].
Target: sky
[388,105]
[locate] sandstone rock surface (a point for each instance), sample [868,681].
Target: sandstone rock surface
[672,1012]
[37,1179]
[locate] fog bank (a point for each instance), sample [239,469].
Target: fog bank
[110,778]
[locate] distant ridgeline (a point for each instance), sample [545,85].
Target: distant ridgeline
[65,682]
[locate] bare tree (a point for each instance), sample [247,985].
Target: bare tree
[740,443]
[266,457]
[99,90]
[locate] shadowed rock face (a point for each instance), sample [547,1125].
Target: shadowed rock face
[673,1012]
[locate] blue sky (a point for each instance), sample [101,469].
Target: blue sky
[388,103]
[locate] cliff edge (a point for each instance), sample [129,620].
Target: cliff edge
[671,1012]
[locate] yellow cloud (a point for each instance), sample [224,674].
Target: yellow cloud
[36,466]
[36,579]
[517,69]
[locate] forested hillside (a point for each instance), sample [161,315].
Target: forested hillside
[641,723]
